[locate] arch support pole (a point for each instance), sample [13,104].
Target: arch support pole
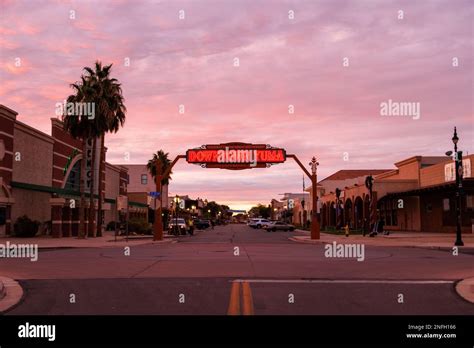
[158,227]
[315,229]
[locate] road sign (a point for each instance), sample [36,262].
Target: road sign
[154,194]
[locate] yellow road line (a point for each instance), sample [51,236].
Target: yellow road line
[247,299]
[234,302]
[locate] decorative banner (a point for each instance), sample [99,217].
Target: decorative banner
[450,170]
[236,156]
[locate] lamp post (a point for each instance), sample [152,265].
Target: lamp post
[338,208]
[369,183]
[314,217]
[459,176]
[176,204]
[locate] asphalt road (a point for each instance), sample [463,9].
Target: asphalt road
[237,270]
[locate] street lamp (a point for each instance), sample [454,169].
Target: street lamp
[314,218]
[176,206]
[459,173]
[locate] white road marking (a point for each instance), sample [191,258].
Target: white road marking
[341,281]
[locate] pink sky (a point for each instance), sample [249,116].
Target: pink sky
[282,61]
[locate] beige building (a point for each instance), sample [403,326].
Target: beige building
[418,195]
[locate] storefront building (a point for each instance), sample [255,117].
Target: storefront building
[40,175]
[419,195]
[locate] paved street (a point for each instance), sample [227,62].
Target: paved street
[237,270]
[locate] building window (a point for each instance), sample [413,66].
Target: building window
[144,179]
[446,204]
[469,201]
[74,178]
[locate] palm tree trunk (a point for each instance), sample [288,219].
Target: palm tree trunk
[91,226]
[81,233]
[99,208]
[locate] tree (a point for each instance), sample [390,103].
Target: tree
[165,163]
[80,127]
[260,211]
[213,208]
[105,94]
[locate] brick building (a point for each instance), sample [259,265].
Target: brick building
[40,173]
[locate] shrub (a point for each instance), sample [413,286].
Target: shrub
[25,227]
[111,225]
[139,225]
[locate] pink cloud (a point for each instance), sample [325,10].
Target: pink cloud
[282,62]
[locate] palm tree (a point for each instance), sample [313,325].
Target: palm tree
[110,116]
[80,127]
[165,162]
[105,93]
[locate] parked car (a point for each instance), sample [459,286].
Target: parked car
[202,224]
[179,224]
[279,226]
[258,223]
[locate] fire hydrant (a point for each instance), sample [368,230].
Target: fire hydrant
[346,229]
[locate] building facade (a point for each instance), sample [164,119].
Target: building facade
[40,178]
[419,195]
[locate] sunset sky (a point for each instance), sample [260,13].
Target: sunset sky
[282,61]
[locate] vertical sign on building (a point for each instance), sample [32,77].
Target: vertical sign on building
[88,158]
[89,174]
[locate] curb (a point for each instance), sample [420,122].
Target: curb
[465,289]
[421,246]
[13,293]
[307,241]
[110,244]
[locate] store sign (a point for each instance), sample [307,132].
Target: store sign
[122,203]
[450,170]
[236,156]
[88,158]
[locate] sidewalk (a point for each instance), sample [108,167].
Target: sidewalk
[395,239]
[11,293]
[107,240]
